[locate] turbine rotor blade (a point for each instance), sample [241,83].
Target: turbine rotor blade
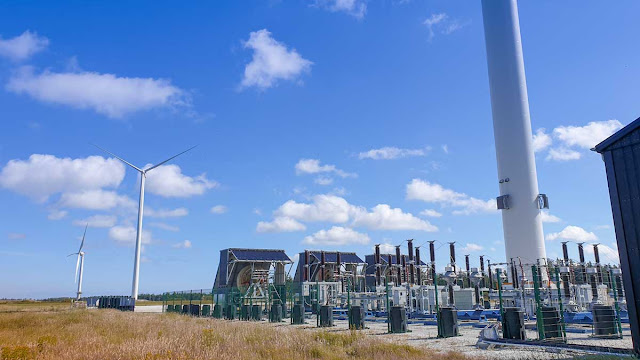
[171,158]
[75,280]
[83,235]
[72,254]
[119,158]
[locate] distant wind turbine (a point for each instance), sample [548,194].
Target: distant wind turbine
[143,173]
[80,264]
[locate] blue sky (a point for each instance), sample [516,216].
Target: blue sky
[322,125]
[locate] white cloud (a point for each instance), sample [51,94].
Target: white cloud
[280,224]
[95,200]
[106,94]
[168,181]
[443,23]
[23,46]
[387,248]
[183,245]
[312,166]
[166,213]
[541,140]
[44,175]
[574,233]
[389,153]
[563,154]
[323,180]
[56,214]
[548,218]
[126,235]
[437,194]
[335,209]
[383,217]
[16,236]
[430,213]
[471,247]
[589,135]
[271,62]
[219,209]
[164,226]
[337,236]
[355,8]
[445,148]
[97,221]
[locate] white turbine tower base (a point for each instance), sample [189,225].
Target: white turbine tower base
[79,265]
[518,180]
[143,177]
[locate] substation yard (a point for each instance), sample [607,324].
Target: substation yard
[425,337]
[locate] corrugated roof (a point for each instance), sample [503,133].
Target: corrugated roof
[332,257]
[260,255]
[617,136]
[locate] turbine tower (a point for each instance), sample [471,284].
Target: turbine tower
[143,176]
[519,199]
[80,264]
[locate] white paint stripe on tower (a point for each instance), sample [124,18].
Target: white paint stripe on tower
[522,223]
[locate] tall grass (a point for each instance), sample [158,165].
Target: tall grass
[111,334]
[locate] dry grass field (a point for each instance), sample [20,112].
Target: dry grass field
[7,306]
[111,334]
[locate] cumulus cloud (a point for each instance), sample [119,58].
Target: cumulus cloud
[44,175]
[271,62]
[541,140]
[573,233]
[106,94]
[548,218]
[95,200]
[387,248]
[563,154]
[471,247]
[280,224]
[23,46]
[390,153]
[164,226]
[589,135]
[430,213]
[383,217]
[219,209]
[166,213]
[435,193]
[57,214]
[313,166]
[169,181]
[102,221]
[337,236]
[183,245]
[323,180]
[335,209]
[355,8]
[126,235]
[443,24]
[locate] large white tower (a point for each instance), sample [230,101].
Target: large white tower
[518,180]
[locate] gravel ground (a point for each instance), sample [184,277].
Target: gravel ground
[425,336]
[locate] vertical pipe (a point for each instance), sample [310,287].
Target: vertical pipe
[565,253]
[583,274]
[432,259]
[452,255]
[307,268]
[521,222]
[418,266]
[482,270]
[466,262]
[412,279]
[338,262]
[399,267]
[376,260]
[404,268]
[596,255]
[490,274]
[323,262]
[389,273]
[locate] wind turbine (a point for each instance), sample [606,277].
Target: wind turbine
[143,176]
[80,264]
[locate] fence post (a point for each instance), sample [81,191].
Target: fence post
[536,289]
[562,323]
